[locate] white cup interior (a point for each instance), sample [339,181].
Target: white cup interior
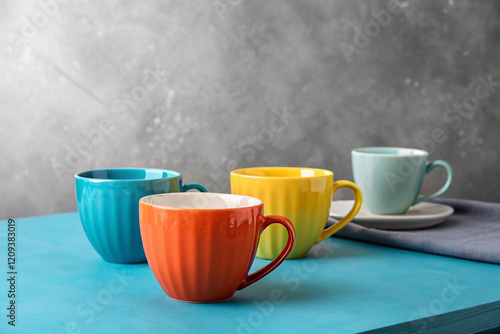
[201,201]
[389,151]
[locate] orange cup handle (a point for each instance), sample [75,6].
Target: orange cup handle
[254,277]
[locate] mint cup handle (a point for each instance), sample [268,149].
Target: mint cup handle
[196,186]
[430,166]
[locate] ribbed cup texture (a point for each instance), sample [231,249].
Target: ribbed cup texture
[304,201]
[111,222]
[109,212]
[199,256]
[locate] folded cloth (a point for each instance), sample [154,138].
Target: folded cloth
[472,233]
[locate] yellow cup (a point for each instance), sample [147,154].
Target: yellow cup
[303,195]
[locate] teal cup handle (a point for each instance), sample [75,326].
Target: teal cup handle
[189,186]
[449,171]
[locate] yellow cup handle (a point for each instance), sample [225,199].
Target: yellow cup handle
[358,199]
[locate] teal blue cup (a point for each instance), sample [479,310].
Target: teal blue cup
[390,178]
[108,203]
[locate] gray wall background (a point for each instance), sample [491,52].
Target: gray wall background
[225,70]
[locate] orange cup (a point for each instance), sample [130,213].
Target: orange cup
[200,246]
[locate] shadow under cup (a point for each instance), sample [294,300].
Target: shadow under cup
[108,204]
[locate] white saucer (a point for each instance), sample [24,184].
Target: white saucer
[419,216]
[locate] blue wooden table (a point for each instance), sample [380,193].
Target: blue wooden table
[62,286]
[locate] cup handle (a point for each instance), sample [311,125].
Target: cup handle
[430,166]
[358,199]
[197,186]
[254,277]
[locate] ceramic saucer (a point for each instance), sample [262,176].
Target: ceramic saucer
[419,216]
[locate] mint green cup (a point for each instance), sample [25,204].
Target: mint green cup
[390,178]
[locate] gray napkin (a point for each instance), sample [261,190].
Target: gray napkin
[472,233]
